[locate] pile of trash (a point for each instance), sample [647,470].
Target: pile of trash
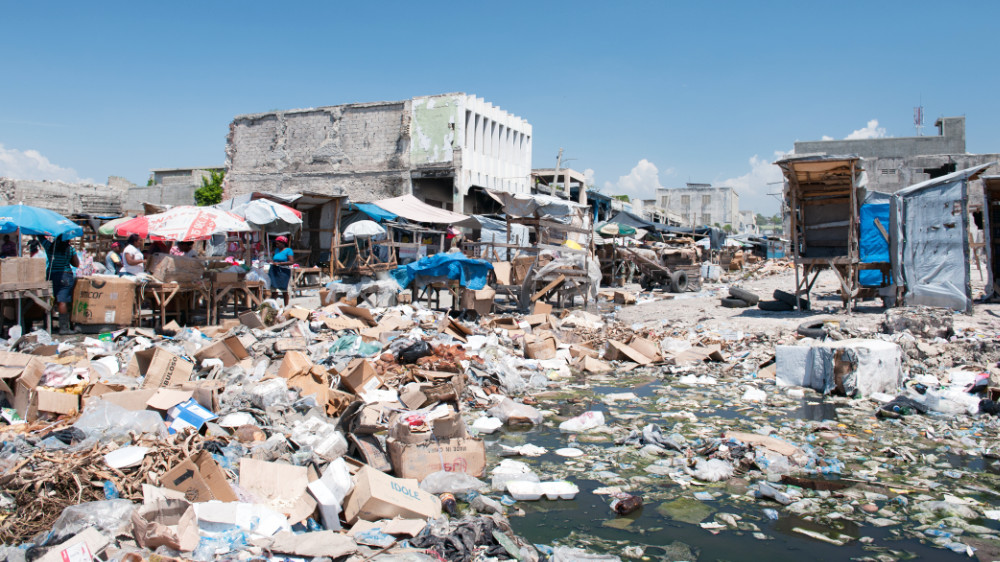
[377,433]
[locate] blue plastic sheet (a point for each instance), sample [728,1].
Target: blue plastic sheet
[378,214]
[470,273]
[873,246]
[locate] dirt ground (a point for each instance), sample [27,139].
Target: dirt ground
[705,307]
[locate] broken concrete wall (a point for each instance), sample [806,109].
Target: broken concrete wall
[358,150]
[64,198]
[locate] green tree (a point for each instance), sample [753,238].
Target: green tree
[761,219]
[727,227]
[210,192]
[149,182]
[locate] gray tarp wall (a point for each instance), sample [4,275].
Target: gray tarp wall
[930,246]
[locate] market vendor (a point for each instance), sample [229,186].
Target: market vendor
[62,260]
[280,274]
[113,259]
[134,260]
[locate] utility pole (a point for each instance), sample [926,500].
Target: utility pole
[555,176]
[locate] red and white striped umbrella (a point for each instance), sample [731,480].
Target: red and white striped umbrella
[184,223]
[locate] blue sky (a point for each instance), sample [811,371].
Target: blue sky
[639,93]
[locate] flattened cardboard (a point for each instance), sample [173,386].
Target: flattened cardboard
[200,478]
[160,367]
[699,354]
[81,547]
[166,398]
[417,460]
[251,320]
[134,400]
[502,269]
[541,308]
[646,347]
[370,449]
[280,486]
[620,351]
[379,496]
[230,350]
[362,314]
[338,323]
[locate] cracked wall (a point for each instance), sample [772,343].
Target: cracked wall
[357,150]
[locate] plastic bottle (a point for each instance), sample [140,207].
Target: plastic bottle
[623,503]
[449,504]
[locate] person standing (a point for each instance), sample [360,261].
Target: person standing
[35,250]
[280,273]
[62,259]
[9,248]
[134,260]
[113,260]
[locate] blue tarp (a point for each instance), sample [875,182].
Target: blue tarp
[470,273]
[873,246]
[378,214]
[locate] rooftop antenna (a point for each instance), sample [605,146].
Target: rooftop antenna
[918,118]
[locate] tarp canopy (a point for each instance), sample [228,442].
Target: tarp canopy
[470,273]
[495,230]
[528,205]
[929,240]
[376,213]
[873,247]
[716,236]
[413,209]
[629,219]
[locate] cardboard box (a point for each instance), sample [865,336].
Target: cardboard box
[446,427]
[188,415]
[160,367]
[360,377]
[133,400]
[30,400]
[103,299]
[251,320]
[10,270]
[170,523]
[380,496]
[200,479]
[230,350]
[417,460]
[294,363]
[542,347]
[176,269]
[223,277]
[81,547]
[31,271]
[481,301]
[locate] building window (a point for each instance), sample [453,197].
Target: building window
[887,172]
[686,201]
[706,219]
[706,200]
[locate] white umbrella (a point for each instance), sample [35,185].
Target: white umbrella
[268,215]
[364,229]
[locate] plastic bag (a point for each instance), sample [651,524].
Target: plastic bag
[451,482]
[511,412]
[415,350]
[583,422]
[106,421]
[111,517]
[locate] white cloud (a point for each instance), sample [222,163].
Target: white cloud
[588,176]
[641,183]
[754,186]
[826,137]
[32,165]
[871,131]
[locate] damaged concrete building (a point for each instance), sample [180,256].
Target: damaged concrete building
[68,199]
[702,204]
[893,163]
[445,149]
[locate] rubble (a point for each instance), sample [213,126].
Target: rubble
[403,432]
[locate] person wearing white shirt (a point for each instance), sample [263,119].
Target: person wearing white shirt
[134,260]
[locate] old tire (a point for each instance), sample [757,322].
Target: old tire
[812,329]
[734,303]
[789,299]
[678,281]
[742,294]
[774,306]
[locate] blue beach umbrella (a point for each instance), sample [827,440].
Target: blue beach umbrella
[37,222]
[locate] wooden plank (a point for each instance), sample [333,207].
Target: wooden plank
[548,288]
[881,229]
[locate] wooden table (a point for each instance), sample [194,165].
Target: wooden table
[251,292]
[39,292]
[163,295]
[298,280]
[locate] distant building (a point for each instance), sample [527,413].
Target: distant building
[748,223]
[182,176]
[702,204]
[444,149]
[545,181]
